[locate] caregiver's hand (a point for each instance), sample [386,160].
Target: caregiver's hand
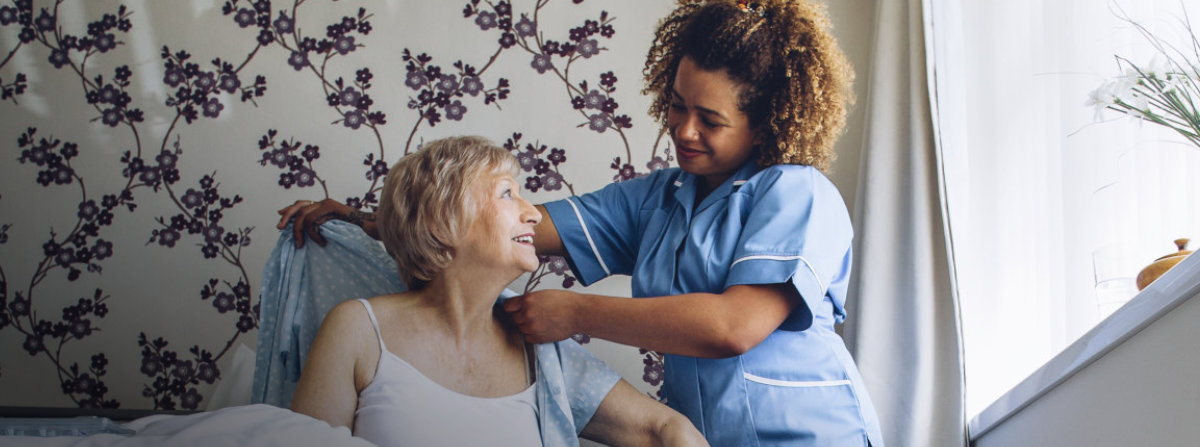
[310,215]
[545,316]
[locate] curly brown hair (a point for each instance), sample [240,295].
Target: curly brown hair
[796,82]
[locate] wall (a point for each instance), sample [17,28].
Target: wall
[148,144]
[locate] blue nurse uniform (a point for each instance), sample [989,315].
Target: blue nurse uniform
[781,224]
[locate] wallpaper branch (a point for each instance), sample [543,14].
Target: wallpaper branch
[87,105]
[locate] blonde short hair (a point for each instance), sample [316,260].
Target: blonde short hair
[427,202]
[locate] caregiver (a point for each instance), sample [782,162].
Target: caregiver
[742,254]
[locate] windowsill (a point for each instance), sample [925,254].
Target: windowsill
[1173,288]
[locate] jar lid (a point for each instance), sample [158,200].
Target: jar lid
[1180,243]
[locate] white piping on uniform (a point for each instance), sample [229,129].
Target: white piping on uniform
[783,258]
[794,384]
[588,235]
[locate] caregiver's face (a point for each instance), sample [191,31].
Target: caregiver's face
[713,137]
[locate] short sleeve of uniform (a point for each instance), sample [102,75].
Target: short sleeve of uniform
[796,229]
[601,230]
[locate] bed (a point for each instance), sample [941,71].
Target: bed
[243,425]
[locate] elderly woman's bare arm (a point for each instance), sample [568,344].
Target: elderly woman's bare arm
[627,417]
[327,389]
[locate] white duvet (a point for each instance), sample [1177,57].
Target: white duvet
[247,425]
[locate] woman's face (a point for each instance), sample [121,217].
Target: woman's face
[713,138]
[502,231]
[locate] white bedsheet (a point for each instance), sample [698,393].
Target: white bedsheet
[247,425]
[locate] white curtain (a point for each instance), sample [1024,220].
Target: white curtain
[904,325]
[1052,214]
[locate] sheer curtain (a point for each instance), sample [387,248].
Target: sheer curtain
[1052,213]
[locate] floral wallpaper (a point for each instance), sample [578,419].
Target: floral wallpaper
[147,145]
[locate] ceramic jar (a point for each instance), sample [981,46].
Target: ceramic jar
[1161,265]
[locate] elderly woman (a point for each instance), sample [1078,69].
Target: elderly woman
[438,364]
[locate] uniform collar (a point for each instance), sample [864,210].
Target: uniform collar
[687,184]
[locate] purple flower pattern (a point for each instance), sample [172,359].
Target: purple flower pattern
[196,92]
[652,369]
[175,378]
[79,250]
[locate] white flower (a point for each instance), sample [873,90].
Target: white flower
[1175,83]
[1123,86]
[1165,91]
[1157,68]
[1139,104]
[1101,98]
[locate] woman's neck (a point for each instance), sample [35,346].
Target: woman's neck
[463,305]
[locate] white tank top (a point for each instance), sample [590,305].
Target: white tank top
[402,407]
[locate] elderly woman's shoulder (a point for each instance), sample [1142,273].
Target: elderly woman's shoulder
[349,312]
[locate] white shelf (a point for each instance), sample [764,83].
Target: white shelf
[1172,289]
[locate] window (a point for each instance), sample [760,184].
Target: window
[1042,197]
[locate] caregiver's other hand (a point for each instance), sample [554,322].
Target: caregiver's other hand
[545,316]
[309,216]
